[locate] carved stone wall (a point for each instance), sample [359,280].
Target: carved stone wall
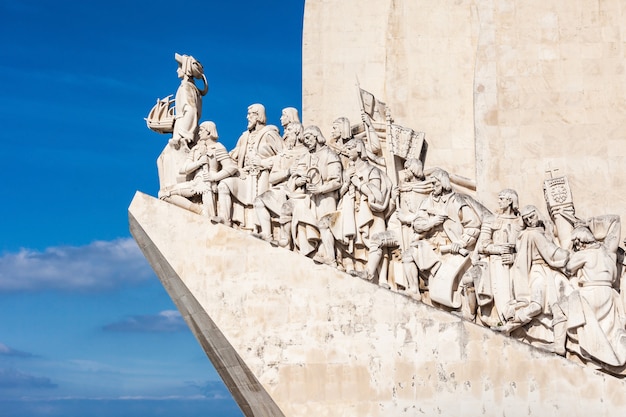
[503,89]
[297,339]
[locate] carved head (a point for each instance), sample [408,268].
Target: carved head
[312,136]
[415,167]
[341,129]
[208,130]
[289,115]
[582,237]
[508,198]
[256,115]
[354,149]
[441,181]
[189,66]
[293,134]
[530,216]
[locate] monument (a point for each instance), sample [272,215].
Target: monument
[386,267]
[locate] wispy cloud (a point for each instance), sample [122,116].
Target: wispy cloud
[210,389]
[8,351]
[128,407]
[12,378]
[101,265]
[166,321]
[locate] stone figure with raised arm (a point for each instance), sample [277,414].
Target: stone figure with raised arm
[366,201]
[595,326]
[539,286]
[207,163]
[268,206]
[341,133]
[446,229]
[188,101]
[498,235]
[313,193]
[254,154]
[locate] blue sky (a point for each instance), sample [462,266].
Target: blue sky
[85,326]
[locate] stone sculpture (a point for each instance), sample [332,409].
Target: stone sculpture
[365,204]
[292,128]
[554,283]
[179,117]
[595,324]
[269,204]
[498,235]
[188,101]
[539,285]
[446,231]
[254,154]
[413,188]
[313,188]
[207,163]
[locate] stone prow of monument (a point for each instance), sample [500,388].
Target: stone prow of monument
[293,338]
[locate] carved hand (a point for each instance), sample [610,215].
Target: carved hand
[365,119]
[508,258]
[257,162]
[314,189]
[438,219]
[208,176]
[300,181]
[404,218]
[504,249]
[456,247]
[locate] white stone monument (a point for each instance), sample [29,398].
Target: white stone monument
[428,259]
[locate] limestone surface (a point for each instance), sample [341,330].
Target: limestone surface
[504,89]
[294,338]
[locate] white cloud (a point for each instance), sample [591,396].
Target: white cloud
[164,322]
[8,351]
[12,378]
[98,266]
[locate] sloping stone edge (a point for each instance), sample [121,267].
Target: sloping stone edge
[249,394]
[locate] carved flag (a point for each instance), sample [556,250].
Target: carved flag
[557,192]
[405,142]
[374,108]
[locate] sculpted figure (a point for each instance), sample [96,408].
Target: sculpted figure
[313,189]
[446,229]
[413,188]
[595,318]
[207,163]
[254,154]
[341,133]
[188,101]
[538,286]
[498,235]
[292,128]
[269,204]
[366,202]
